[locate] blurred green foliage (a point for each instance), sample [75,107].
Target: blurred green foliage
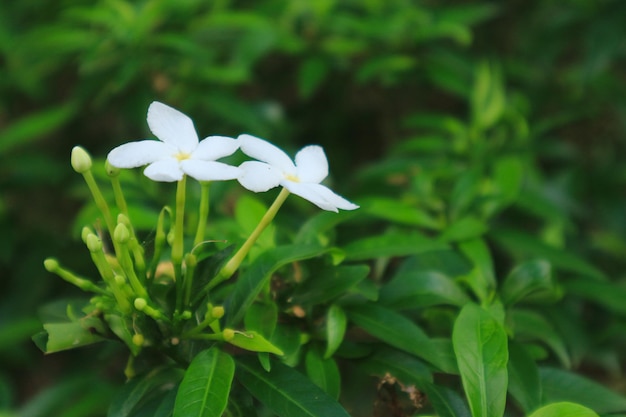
[497,120]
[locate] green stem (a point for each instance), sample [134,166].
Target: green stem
[203,212]
[178,244]
[100,201]
[231,266]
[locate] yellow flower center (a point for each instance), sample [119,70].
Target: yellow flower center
[181,156]
[291,177]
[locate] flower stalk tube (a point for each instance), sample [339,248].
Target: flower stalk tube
[203,212]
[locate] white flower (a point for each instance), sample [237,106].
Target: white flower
[178,150]
[275,168]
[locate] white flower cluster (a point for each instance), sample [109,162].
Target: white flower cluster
[179,152]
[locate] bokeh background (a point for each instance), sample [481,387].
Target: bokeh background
[370,80]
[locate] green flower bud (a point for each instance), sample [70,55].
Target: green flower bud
[217,312]
[94,244]
[51,264]
[111,170]
[81,161]
[228,334]
[123,219]
[191,260]
[186,315]
[85,231]
[140,303]
[121,233]
[138,339]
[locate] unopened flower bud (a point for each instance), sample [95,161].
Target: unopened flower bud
[111,170]
[81,161]
[140,303]
[85,231]
[138,339]
[123,219]
[51,265]
[191,260]
[228,334]
[121,233]
[94,244]
[217,312]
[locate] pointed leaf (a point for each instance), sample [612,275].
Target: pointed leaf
[323,372]
[564,409]
[526,279]
[329,283]
[205,387]
[418,289]
[480,345]
[254,342]
[336,323]
[391,244]
[524,383]
[285,391]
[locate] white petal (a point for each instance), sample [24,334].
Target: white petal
[172,127]
[319,195]
[264,151]
[210,170]
[136,154]
[166,170]
[215,147]
[311,164]
[259,176]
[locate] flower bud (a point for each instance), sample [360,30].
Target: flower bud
[138,339]
[228,334]
[122,218]
[81,161]
[85,231]
[94,244]
[217,312]
[121,233]
[51,265]
[111,170]
[140,303]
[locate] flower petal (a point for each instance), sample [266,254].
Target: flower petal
[215,147]
[266,152]
[320,195]
[311,164]
[209,170]
[259,176]
[166,170]
[136,154]
[172,127]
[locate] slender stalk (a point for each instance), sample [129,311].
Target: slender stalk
[203,212]
[231,266]
[178,244]
[100,201]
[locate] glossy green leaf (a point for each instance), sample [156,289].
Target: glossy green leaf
[398,331]
[144,389]
[336,323]
[248,213]
[398,212]
[417,289]
[329,284]
[391,244]
[255,342]
[530,325]
[323,372]
[524,383]
[314,230]
[526,279]
[261,317]
[480,345]
[205,388]
[285,391]
[563,409]
[256,276]
[560,385]
[463,229]
[610,295]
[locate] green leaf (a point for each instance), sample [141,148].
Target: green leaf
[254,342]
[256,276]
[248,213]
[463,229]
[262,318]
[406,368]
[313,230]
[530,325]
[205,387]
[523,244]
[329,284]
[524,383]
[610,295]
[336,323]
[144,389]
[508,176]
[564,409]
[417,289]
[481,278]
[488,100]
[323,372]
[526,279]
[398,212]
[285,391]
[480,345]
[398,331]
[446,401]
[559,385]
[391,244]
[311,74]
[35,127]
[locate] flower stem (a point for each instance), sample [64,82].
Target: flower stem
[178,245]
[203,212]
[100,201]
[231,266]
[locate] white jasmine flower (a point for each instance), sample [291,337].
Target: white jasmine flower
[178,150]
[275,168]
